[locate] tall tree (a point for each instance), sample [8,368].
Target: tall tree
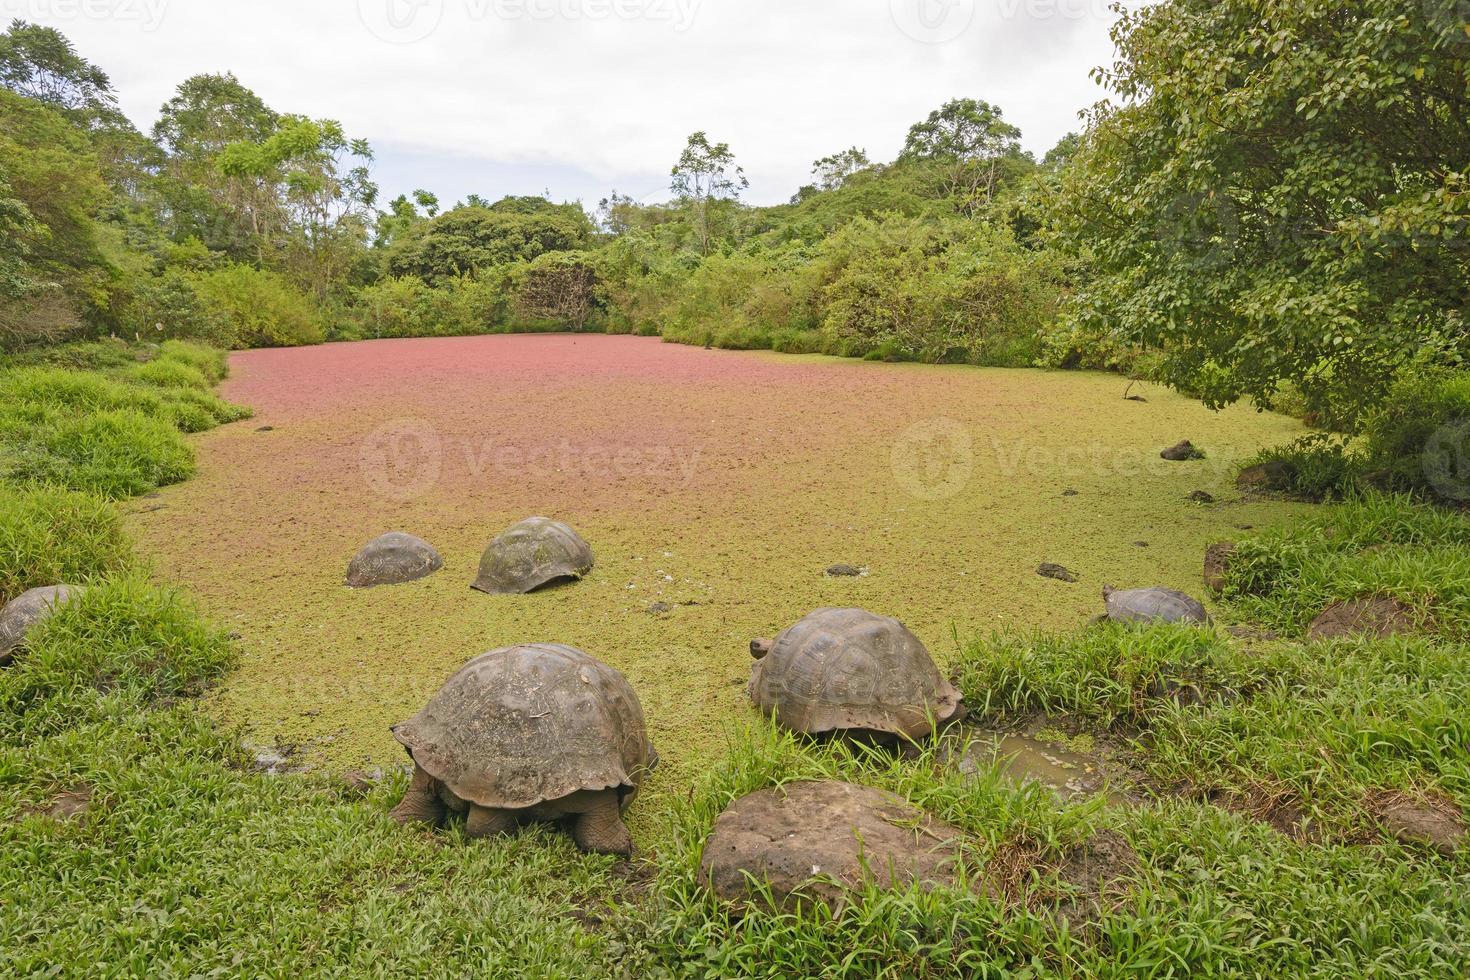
[41,63]
[1281,192]
[832,171]
[969,139]
[706,172]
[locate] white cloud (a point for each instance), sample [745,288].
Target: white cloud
[581,96]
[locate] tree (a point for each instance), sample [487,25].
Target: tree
[208,114]
[832,171]
[969,139]
[706,172]
[314,193]
[466,240]
[41,64]
[1280,193]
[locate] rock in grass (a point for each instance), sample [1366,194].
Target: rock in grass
[659,609]
[1201,497]
[844,571]
[25,611]
[393,559]
[823,840]
[1432,823]
[1061,573]
[1182,452]
[1376,616]
[1217,565]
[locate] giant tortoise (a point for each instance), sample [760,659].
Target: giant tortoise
[25,611]
[851,671]
[531,554]
[536,732]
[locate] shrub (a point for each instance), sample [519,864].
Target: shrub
[114,454]
[1417,438]
[50,536]
[208,361]
[170,374]
[122,644]
[172,305]
[558,288]
[1321,467]
[263,309]
[409,307]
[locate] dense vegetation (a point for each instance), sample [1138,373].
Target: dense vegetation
[1276,209]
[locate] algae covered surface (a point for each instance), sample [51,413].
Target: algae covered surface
[715,487]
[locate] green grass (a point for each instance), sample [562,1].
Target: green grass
[1370,545]
[50,535]
[109,426]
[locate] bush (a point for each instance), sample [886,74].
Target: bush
[170,374]
[50,536]
[122,644]
[1320,467]
[555,289]
[114,454]
[262,308]
[409,307]
[172,305]
[1416,440]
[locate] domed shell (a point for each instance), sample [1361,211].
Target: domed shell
[851,669]
[1153,605]
[393,559]
[28,609]
[533,553]
[524,725]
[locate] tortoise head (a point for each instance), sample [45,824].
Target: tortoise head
[1108,590]
[760,647]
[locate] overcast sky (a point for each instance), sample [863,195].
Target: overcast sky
[578,97]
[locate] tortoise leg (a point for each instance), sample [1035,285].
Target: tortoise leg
[421,804]
[600,828]
[485,821]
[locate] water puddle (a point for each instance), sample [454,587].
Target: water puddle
[1069,774]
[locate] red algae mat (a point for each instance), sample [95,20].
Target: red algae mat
[720,484]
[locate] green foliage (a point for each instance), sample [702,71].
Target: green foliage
[1318,467]
[556,288]
[262,308]
[470,239]
[50,536]
[1416,441]
[409,307]
[170,305]
[1280,194]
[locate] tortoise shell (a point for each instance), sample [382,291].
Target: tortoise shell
[28,609]
[393,559]
[533,553]
[525,725]
[1153,605]
[849,669]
